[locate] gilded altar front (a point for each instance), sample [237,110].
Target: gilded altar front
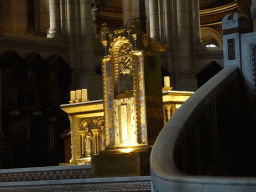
[87,130]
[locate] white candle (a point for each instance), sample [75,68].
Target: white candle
[72,95]
[84,94]
[78,95]
[166,81]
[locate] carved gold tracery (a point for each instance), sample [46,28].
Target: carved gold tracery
[123,67]
[92,138]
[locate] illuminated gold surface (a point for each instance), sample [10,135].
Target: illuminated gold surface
[172,100]
[82,107]
[88,115]
[124,123]
[175,98]
[118,123]
[167,88]
[178,106]
[122,84]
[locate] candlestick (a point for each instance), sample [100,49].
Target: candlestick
[166,81]
[84,95]
[72,96]
[78,95]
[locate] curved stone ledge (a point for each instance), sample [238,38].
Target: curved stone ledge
[164,174]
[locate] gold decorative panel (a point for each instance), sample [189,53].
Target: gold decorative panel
[87,130]
[124,123]
[172,100]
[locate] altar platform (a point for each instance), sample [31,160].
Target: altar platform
[67,178]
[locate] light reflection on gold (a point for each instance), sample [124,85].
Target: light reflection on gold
[178,106]
[124,123]
[123,109]
[126,150]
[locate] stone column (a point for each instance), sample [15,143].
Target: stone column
[77,36]
[185,80]
[197,28]
[134,8]
[154,20]
[77,18]
[174,56]
[87,39]
[168,18]
[70,17]
[31,16]
[63,17]
[54,9]
[94,8]
[126,11]
[147,15]
[88,79]
[161,13]
[130,9]
[71,42]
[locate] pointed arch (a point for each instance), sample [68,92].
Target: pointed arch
[32,94]
[40,68]
[10,90]
[213,35]
[53,93]
[63,71]
[87,123]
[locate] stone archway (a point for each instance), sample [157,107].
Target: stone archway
[210,35]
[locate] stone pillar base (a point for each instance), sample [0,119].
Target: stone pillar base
[53,35]
[59,39]
[120,165]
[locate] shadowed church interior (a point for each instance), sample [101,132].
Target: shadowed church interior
[91,83]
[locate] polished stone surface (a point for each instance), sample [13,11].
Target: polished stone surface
[45,173]
[95,184]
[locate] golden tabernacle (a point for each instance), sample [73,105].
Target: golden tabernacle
[126,92]
[116,135]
